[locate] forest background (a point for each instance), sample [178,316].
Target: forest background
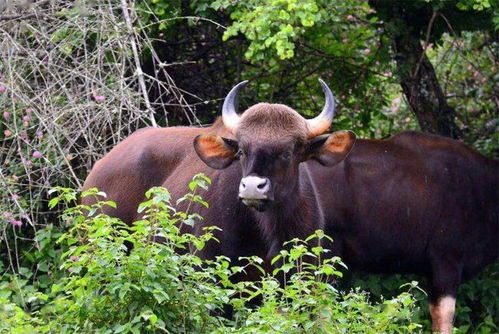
[76,77]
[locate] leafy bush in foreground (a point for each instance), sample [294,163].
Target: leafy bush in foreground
[167,287]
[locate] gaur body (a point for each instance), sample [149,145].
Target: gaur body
[414,203]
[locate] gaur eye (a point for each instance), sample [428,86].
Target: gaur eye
[286,156]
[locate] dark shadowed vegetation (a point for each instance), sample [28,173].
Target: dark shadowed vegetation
[76,77]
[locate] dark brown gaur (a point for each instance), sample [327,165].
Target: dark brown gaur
[414,203]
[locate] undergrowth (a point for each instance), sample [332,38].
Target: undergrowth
[91,282]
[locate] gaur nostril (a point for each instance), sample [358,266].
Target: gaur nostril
[262,185]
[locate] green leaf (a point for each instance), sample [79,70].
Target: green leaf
[53,202]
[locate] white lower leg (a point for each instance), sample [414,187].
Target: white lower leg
[442,314]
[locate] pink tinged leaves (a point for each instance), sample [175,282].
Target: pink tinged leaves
[395,104]
[25,161]
[15,222]
[37,154]
[6,115]
[2,88]
[98,98]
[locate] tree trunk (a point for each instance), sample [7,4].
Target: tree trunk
[421,87]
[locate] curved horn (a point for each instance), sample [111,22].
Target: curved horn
[229,113]
[322,122]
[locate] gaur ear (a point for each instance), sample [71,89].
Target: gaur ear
[331,149]
[215,151]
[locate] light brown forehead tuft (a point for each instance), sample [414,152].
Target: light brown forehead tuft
[265,120]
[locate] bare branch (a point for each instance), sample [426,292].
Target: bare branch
[139,73]
[24,16]
[428,32]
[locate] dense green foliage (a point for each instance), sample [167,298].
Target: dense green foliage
[70,89]
[285,45]
[156,287]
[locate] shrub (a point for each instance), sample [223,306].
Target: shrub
[167,287]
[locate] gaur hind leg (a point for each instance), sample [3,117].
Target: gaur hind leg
[446,277]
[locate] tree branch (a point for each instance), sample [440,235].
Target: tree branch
[140,73]
[24,16]
[428,32]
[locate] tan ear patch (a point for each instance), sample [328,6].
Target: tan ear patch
[213,146]
[339,142]
[334,149]
[215,151]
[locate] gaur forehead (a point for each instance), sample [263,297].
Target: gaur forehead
[265,122]
[270,145]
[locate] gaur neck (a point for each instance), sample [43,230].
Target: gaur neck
[289,219]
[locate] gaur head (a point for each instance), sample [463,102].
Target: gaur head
[271,140]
